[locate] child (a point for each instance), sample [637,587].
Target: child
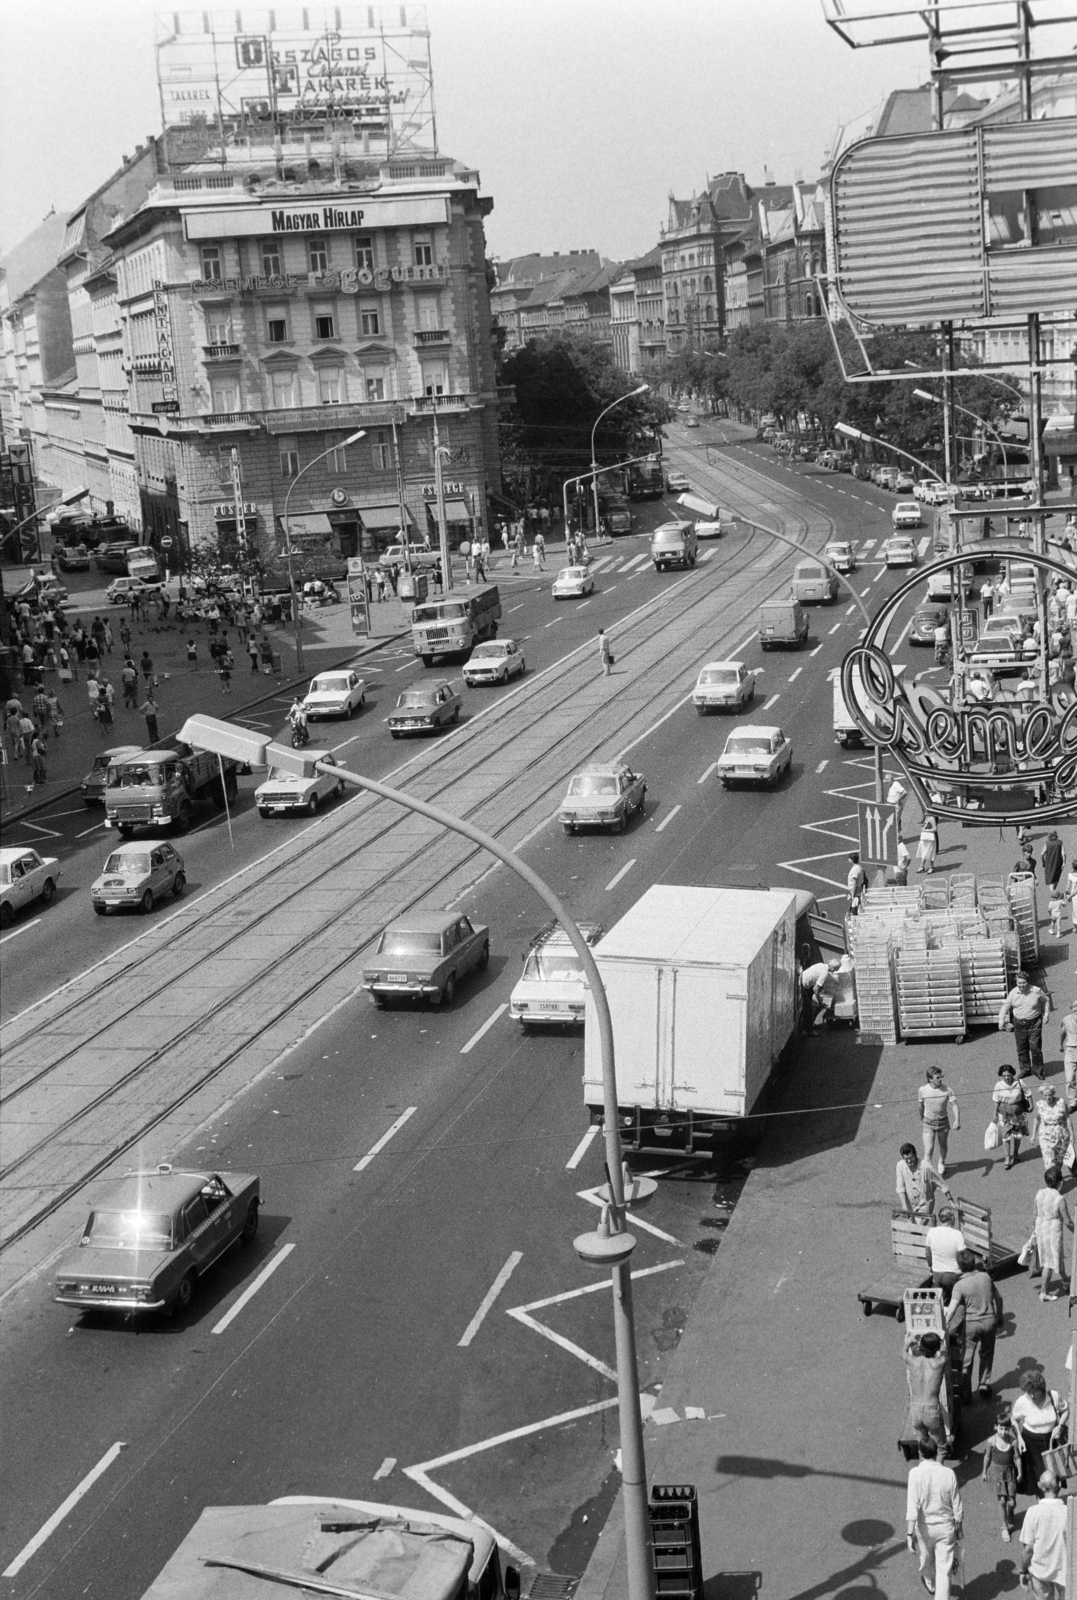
[1056,906]
[1000,1468]
[192,655]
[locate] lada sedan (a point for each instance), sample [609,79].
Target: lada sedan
[841,555]
[723,686]
[138,875]
[899,551]
[572,583]
[424,958]
[335,694]
[677,483]
[496,661]
[755,755]
[25,876]
[287,791]
[424,708]
[151,1236]
[73,558]
[552,987]
[93,784]
[907,514]
[603,796]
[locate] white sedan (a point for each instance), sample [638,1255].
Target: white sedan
[573,582]
[899,551]
[495,661]
[287,791]
[335,694]
[841,555]
[25,876]
[723,686]
[755,755]
[907,514]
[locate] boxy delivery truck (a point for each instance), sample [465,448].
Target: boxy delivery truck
[450,627]
[702,989]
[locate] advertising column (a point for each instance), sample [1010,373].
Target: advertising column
[357,597]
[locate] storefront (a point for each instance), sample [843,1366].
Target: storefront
[460,521]
[380,526]
[233,537]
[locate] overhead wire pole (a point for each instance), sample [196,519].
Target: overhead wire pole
[640,389]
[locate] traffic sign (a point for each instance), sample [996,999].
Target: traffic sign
[880,832]
[165,541]
[969,629]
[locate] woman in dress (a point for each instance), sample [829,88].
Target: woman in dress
[1051,1212]
[927,849]
[1039,1415]
[1052,1128]
[1010,1108]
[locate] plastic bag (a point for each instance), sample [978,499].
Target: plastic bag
[991,1136]
[1070,1158]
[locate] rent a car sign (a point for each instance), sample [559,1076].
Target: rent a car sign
[262,221]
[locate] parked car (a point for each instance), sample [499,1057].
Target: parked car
[603,795]
[93,784]
[861,470]
[572,583]
[723,686]
[46,591]
[73,558]
[25,876]
[677,483]
[335,694]
[841,554]
[551,989]
[907,514]
[424,708]
[494,661]
[899,551]
[904,483]
[120,590]
[151,1236]
[755,755]
[885,477]
[137,875]
[287,791]
[933,492]
[926,618]
[424,958]
[421,557]
[693,422]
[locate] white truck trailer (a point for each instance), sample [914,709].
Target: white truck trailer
[702,989]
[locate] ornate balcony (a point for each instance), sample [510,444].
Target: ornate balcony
[428,336]
[219,352]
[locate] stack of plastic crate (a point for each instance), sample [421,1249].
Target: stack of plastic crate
[963,889]
[984,980]
[906,896]
[874,964]
[1021,890]
[931,1000]
[936,893]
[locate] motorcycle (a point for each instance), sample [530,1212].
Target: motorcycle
[300,734]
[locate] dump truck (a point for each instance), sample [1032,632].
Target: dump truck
[309,1545]
[160,788]
[703,993]
[453,625]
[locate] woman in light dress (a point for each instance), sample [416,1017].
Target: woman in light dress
[927,849]
[1051,1212]
[1052,1128]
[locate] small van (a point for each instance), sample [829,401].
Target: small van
[813,584]
[782,622]
[673,544]
[142,563]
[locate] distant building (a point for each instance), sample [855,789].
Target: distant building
[793,240]
[637,322]
[516,279]
[37,350]
[693,265]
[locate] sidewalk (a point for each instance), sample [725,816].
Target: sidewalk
[801,1486]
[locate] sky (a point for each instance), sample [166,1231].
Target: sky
[582,116]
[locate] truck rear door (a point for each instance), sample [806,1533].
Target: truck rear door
[701,1062]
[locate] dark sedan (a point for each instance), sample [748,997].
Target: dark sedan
[926,619]
[424,957]
[152,1235]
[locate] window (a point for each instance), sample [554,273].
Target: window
[381,450]
[435,377]
[325,322]
[277,324]
[429,311]
[336,460]
[364,252]
[318,255]
[224,463]
[218,325]
[374,379]
[224,396]
[424,253]
[369,322]
[211,262]
[271,267]
[288,445]
[330,385]
[283,386]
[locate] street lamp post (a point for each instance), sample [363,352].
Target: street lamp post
[353,438]
[641,389]
[858,433]
[612,1242]
[925,394]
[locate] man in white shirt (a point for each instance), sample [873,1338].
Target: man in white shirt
[1043,1540]
[934,1520]
[895,796]
[942,1243]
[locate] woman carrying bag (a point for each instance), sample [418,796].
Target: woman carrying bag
[1011,1109]
[1040,1417]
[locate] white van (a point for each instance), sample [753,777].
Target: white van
[673,544]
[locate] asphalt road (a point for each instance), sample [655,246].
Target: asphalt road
[345,1373]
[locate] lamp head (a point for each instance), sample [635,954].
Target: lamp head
[353,438]
[924,394]
[849,431]
[72,495]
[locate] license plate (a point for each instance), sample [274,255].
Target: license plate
[548,1005]
[100,1288]
[396,977]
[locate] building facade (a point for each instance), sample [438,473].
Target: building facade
[266,321]
[37,350]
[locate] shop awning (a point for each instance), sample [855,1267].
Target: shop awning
[704,509]
[386,515]
[455,511]
[306,525]
[1060,441]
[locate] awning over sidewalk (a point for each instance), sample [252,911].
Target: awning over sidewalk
[386,514]
[307,525]
[455,511]
[700,508]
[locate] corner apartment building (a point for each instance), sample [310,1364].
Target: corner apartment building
[637,324]
[36,350]
[267,319]
[516,280]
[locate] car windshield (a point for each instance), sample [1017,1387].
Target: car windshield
[336,685]
[482,652]
[718,675]
[447,610]
[278,775]
[414,700]
[129,1230]
[585,783]
[748,744]
[130,866]
[399,942]
[554,966]
[133,777]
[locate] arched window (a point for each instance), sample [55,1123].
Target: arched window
[707,285]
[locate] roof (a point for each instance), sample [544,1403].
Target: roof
[35,257]
[717,926]
[534,268]
[424,921]
[156,1190]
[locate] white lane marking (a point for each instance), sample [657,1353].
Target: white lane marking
[610,591]
[615,880]
[249,1293]
[582,1148]
[490,1296]
[823,764]
[708,555]
[746,643]
[384,1140]
[344,743]
[712,768]
[816,651]
[406,665]
[635,561]
[850,609]
[835,628]
[593,1198]
[61,1511]
[554,623]
[771,701]
[880,574]
[867,591]
[582,604]
[898,668]
[667,819]
[921,548]
[868,544]
[795,675]
[22,929]
[516,608]
[87,831]
[386,1467]
[487,1025]
[900,640]
[642,573]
